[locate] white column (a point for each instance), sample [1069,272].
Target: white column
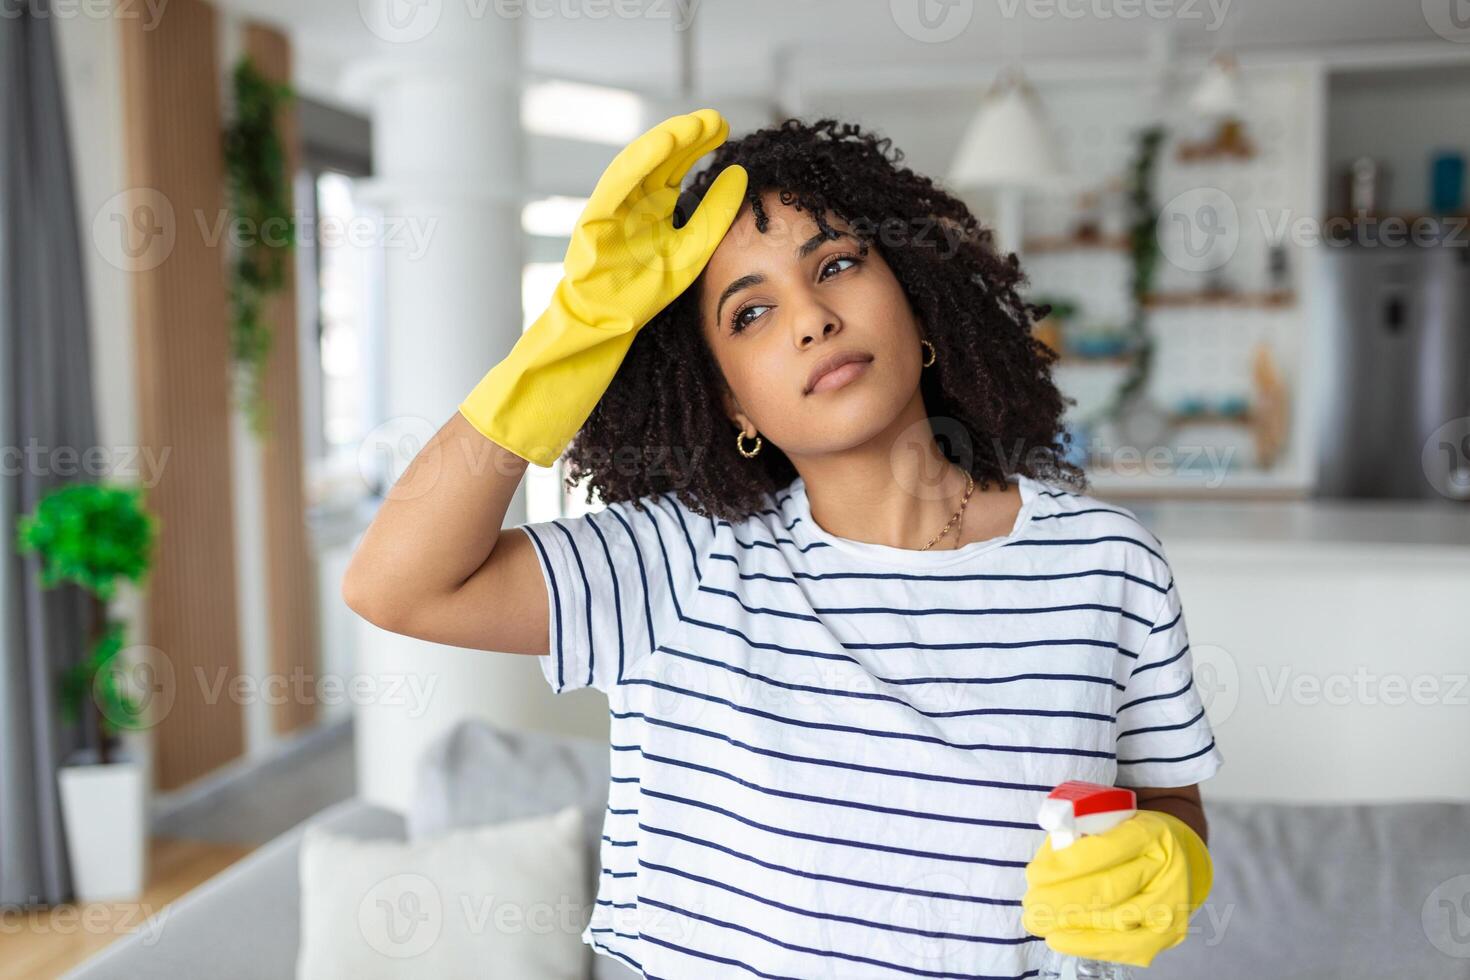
[447,148]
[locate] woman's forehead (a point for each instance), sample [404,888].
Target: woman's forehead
[787,230]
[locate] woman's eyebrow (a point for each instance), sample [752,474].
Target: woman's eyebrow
[755,278]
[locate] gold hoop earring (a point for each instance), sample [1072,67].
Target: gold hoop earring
[933,354]
[740,444]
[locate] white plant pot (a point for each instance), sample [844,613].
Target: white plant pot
[104,811]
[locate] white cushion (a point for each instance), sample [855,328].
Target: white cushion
[505,900]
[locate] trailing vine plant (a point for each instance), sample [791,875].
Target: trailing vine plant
[260,202]
[1143,250]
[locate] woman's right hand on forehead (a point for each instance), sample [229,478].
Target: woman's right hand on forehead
[626,233]
[625,263]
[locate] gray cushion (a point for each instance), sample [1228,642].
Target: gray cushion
[1327,892]
[477,773]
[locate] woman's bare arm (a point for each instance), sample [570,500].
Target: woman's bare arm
[1179,801]
[434,564]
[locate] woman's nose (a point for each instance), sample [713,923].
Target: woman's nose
[829,326]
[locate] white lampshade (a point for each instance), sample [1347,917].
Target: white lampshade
[1009,142]
[1218,93]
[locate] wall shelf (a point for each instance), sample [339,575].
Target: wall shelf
[1275,299]
[1107,360]
[1206,153]
[1368,228]
[1072,243]
[1209,418]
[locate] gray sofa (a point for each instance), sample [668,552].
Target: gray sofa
[1301,892]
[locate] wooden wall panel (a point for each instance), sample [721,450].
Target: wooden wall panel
[291,584]
[172,127]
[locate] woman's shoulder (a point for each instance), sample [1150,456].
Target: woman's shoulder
[770,506]
[1064,513]
[664,515]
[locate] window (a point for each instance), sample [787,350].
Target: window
[582,112]
[340,288]
[547,223]
[344,293]
[339,292]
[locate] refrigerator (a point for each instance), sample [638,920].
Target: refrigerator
[1395,406]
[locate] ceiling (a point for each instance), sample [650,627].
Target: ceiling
[833,43]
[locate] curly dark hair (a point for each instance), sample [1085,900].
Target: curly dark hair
[661,427]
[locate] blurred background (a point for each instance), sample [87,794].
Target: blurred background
[253,252]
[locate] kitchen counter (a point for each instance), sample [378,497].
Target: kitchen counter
[1328,641]
[1426,528]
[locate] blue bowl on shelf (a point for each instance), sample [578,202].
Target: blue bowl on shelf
[1233,406]
[1099,347]
[1192,405]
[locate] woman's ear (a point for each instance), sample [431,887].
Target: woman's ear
[733,412]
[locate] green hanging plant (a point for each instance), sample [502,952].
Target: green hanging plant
[1143,251]
[260,202]
[1143,246]
[92,535]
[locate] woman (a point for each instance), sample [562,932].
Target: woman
[852,612]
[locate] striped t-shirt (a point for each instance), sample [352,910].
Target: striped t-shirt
[827,755]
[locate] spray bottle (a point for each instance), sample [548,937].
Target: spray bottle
[1072,810]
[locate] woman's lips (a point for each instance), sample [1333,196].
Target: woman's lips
[838,377]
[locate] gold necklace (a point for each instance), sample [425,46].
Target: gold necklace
[958,515]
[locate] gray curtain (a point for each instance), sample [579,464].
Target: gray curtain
[45,403]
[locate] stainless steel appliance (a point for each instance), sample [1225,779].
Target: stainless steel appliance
[1396,409]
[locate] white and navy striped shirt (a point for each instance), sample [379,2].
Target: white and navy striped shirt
[827,755]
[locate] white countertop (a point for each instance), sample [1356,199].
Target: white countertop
[1427,527]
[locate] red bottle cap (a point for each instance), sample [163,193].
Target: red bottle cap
[1090,798]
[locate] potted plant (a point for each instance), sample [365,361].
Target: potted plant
[94,535]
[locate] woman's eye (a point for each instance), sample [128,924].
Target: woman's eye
[738,321]
[839,258]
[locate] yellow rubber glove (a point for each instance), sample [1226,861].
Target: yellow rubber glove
[625,263]
[1124,895]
